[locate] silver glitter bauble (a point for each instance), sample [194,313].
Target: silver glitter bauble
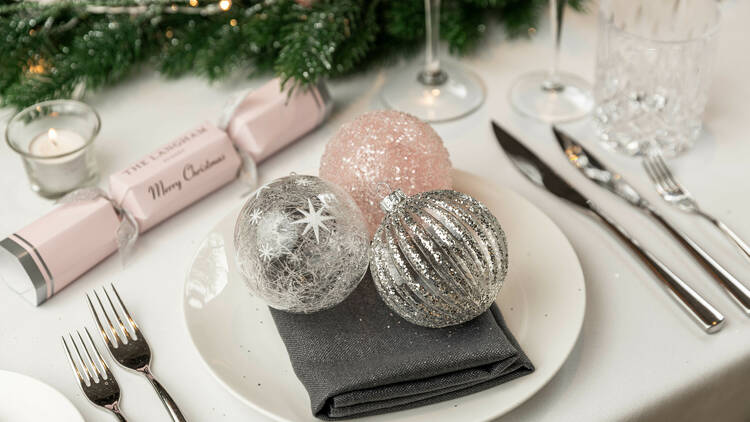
[439,258]
[301,244]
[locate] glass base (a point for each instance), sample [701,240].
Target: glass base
[570,99]
[47,193]
[456,92]
[629,125]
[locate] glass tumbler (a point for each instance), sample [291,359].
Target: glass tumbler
[653,70]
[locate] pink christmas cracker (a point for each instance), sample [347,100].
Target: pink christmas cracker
[176,175]
[48,254]
[267,119]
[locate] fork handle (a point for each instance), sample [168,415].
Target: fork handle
[733,286]
[120,416]
[166,399]
[709,318]
[728,232]
[115,409]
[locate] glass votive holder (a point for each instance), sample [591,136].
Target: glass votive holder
[55,141]
[653,71]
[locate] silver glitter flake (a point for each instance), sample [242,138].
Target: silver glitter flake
[439,258]
[301,244]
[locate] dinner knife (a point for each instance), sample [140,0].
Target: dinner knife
[536,170]
[597,172]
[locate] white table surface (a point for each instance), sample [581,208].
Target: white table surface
[638,357]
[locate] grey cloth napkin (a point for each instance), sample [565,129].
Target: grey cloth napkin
[359,358]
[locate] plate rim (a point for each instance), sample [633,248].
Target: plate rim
[456,173]
[47,387]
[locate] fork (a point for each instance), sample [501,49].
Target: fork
[674,193]
[128,346]
[98,385]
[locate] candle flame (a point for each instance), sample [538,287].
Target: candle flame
[225,5]
[52,134]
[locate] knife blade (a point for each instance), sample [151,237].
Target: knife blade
[541,174]
[537,170]
[597,172]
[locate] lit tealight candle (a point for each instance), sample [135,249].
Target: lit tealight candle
[56,142]
[60,162]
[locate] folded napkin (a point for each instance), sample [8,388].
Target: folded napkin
[359,358]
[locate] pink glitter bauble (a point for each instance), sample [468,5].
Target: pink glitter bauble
[385,147]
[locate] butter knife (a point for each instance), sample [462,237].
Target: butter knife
[536,170]
[595,171]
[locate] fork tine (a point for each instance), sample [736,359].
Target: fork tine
[659,160]
[659,172]
[646,162]
[116,338]
[102,362]
[117,315]
[73,365]
[89,377]
[648,165]
[88,354]
[668,173]
[98,321]
[668,177]
[133,324]
[654,162]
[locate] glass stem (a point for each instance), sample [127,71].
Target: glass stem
[432,74]
[556,9]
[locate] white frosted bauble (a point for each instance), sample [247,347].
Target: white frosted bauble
[301,244]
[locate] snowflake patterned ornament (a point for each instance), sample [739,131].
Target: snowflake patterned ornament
[313,219]
[301,244]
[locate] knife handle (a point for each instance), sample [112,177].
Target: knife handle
[709,318]
[733,286]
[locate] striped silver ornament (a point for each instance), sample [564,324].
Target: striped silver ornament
[439,258]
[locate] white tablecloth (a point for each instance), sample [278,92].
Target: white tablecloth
[639,357]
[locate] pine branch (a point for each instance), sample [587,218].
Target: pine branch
[462,25]
[310,43]
[56,49]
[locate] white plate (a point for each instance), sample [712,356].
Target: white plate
[543,301]
[25,399]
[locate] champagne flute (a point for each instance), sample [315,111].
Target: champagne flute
[435,91]
[552,96]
